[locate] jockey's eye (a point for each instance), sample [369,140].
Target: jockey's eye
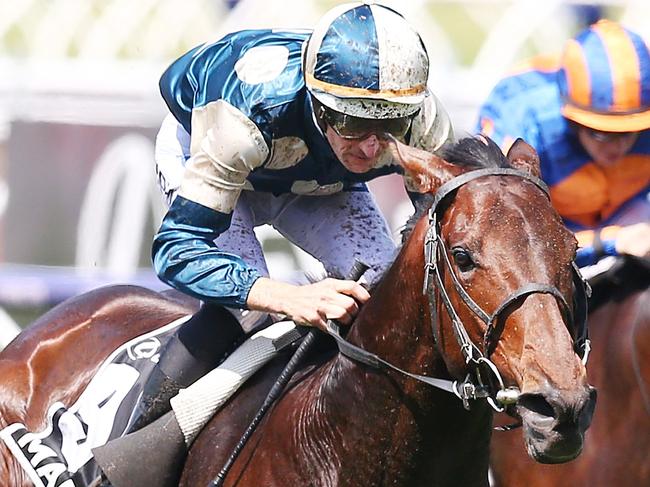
[463,259]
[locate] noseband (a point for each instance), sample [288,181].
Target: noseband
[436,253]
[477,384]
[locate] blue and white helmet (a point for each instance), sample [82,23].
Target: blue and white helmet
[365,60]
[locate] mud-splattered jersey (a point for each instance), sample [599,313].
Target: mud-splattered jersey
[244,103]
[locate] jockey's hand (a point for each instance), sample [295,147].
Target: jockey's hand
[634,240]
[310,304]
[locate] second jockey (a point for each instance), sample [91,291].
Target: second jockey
[588,118]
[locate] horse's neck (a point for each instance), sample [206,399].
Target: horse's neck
[394,416]
[395,324]
[380,430]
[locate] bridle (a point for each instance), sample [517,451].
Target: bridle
[435,252]
[478,383]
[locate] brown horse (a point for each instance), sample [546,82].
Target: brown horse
[493,242]
[617,447]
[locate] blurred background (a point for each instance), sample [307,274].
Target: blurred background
[79,110]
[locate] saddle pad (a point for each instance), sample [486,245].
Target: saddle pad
[194,406]
[60,455]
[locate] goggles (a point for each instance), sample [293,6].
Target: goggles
[355,128]
[600,136]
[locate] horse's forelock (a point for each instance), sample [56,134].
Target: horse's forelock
[476,153]
[469,152]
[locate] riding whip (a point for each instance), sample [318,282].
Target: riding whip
[358,269]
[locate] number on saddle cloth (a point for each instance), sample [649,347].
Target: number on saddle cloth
[61,453]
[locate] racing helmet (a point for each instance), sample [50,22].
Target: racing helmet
[605,79]
[365,60]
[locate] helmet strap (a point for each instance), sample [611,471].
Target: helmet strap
[319,111]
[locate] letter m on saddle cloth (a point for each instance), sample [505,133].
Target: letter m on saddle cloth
[60,455]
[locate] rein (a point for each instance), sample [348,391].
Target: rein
[475,385]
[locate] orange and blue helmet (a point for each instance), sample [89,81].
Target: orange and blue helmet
[605,79]
[365,60]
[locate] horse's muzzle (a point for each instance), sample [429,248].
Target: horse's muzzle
[554,423]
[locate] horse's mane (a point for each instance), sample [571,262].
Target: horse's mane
[477,152]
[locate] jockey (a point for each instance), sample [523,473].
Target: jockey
[588,118]
[282,128]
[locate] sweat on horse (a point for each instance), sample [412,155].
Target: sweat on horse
[617,447]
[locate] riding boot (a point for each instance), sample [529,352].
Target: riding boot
[198,346]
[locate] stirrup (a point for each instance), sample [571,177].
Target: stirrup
[153,405]
[100,481]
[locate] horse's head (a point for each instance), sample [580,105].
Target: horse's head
[501,287]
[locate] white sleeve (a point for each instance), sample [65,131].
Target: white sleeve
[225,146]
[431,126]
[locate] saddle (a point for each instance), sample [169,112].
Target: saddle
[69,451]
[627,275]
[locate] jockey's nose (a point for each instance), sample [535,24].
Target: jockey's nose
[370,146]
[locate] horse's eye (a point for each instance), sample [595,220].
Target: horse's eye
[463,259]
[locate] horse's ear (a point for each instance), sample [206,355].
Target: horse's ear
[523,156]
[423,170]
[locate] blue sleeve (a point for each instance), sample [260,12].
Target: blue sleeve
[186,257]
[508,114]
[590,255]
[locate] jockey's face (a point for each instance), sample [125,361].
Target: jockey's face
[357,155]
[606,148]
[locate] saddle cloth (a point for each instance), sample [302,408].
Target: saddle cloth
[60,455]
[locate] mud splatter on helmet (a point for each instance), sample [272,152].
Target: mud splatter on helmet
[365,60]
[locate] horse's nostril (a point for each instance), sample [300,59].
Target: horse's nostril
[537,404]
[586,412]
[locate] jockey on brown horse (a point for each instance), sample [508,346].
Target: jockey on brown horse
[588,116]
[281,128]
[477,306]
[263,131]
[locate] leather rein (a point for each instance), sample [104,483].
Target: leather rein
[477,384]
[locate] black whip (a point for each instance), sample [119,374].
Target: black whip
[358,269]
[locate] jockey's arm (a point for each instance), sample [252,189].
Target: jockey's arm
[612,241]
[185,255]
[225,146]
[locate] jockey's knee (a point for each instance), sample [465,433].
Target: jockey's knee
[200,344]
